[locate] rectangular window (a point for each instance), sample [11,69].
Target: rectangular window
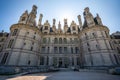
[43,50]
[55,49]
[31,48]
[46,27]
[10,43]
[4,59]
[71,50]
[41,60]
[76,50]
[65,49]
[48,49]
[15,32]
[60,50]
[94,35]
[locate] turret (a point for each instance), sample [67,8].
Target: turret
[88,17]
[40,21]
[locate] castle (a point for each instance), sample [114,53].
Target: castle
[83,45]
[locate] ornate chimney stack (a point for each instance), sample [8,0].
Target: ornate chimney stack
[40,21]
[80,22]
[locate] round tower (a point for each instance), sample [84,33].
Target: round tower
[22,45]
[95,43]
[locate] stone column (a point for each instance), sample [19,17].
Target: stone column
[75,63]
[70,61]
[45,60]
[50,61]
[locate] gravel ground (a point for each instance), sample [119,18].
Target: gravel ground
[64,75]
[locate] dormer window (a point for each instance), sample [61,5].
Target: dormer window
[46,27]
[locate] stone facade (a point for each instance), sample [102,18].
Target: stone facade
[29,44]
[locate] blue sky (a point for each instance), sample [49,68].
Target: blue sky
[109,11]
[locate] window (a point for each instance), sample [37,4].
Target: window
[71,50]
[48,49]
[10,43]
[89,49]
[76,40]
[65,49]
[44,40]
[60,50]
[29,62]
[32,43]
[43,50]
[41,60]
[23,19]
[65,40]
[60,40]
[15,32]
[55,50]
[33,37]
[76,50]
[55,40]
[46,27]
[4,58]
[31,48]
[88,44]
[86,36]
[97,47]
[73,28]
[24,43]
[27,32]
[2,40]
[94,35]
[70,40]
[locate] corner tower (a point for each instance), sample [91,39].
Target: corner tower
[95,42]
[22,44]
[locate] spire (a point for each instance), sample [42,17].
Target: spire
[40,21]
[88,17]
[80,22]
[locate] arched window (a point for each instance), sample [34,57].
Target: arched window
[60,40]
[65,40]
[55,40]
